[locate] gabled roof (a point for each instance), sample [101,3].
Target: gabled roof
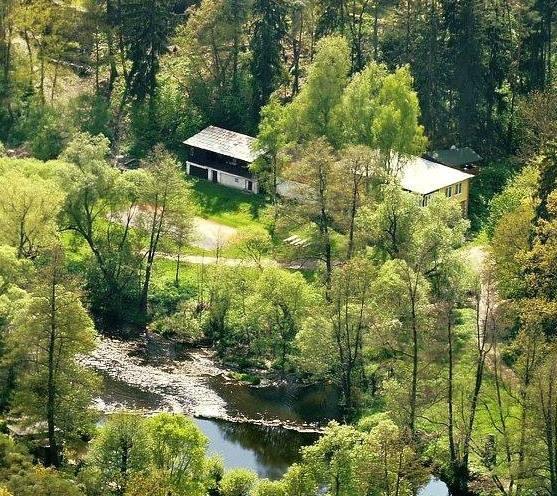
[455,157]
[225,142]
[422,176]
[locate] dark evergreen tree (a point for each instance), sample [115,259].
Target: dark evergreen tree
[548,178]
[269,29]
[147,25]
[332,18]
[538,19]
[465,40]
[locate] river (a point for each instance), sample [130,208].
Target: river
[260,428]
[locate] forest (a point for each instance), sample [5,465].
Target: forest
[143,310]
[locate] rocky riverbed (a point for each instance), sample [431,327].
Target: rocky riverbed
[182,382]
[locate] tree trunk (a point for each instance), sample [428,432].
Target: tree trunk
[177,275]
[376,30]
[353,211]
[452,444]
[412,294]
[53,458]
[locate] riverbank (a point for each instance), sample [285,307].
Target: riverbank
[260,428]
[192,382]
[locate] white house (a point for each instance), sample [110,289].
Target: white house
[224,157]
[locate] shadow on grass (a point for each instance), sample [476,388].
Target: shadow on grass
[216,200]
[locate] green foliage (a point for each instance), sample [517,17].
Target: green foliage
[19,476]
[178,451]
[269,488]
[310,115]
[48,333]
[519,189]
[253,244]
[237,482]
[489,181]
[118,452]
[90,114]
[353,463]
[269,28]
[381,110]
[256,314]
[546,163]
[385,325]
[43,482]
[167,117]
[100,203]
[145,29]
[211,68]
[185,324]
[45,130]
[28,209]
[246,377]
[135,455]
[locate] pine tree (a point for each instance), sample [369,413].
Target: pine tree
[269,28]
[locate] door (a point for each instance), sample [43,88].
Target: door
[250,186]
[214,176]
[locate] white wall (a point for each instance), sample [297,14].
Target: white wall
[235,181]
[225,179]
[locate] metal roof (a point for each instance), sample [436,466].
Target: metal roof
[422,176]
[455,157]
[225,142]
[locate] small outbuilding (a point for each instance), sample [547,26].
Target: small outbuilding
[464,158]
[223,157]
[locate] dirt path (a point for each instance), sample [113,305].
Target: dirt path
[488,308]
[239,262]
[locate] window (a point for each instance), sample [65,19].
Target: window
[449,191]
[425,200]
[236,180]
[458,189]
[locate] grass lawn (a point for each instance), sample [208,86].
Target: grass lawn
[228,206]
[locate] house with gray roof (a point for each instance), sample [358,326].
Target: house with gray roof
[426,178]
[223,157]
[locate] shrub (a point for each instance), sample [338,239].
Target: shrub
[238,482]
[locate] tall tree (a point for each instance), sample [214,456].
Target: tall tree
[269,28]
[50,330]
[146,28]
[28,211]
[333,343]
[118,452]
[310,115]
[97,192]
[314,170]
[167,198]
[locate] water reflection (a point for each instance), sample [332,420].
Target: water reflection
[266,450]
[434,487]
[289,402]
